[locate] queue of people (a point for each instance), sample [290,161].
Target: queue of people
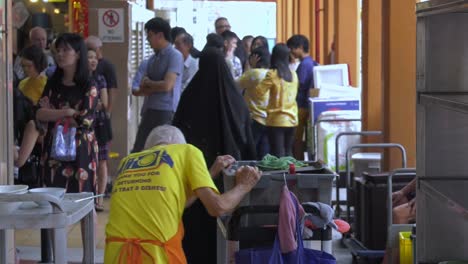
[234,100]
[78,93]
[72,91]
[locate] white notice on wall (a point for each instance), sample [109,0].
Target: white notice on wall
[111,24]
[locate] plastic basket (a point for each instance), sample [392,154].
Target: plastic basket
[406,250]
[308,186]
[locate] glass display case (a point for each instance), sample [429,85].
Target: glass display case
[442,131]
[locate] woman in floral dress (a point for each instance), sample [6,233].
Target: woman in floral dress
[101,117]
[70,95]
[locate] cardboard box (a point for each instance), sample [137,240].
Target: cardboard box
[314,92]
[320,105]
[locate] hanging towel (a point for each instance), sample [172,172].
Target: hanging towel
[287,220]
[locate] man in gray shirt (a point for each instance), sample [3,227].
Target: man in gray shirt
[162,84]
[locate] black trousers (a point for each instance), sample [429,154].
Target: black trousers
[259,132]
[281,140]
[151,119]
[199,241]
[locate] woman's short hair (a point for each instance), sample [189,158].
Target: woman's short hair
[164,135]
[37,56]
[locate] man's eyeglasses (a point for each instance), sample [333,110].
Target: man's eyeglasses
[223,26]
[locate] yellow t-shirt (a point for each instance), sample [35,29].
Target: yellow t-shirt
[257,103]
[33,87]
[149,195]
[282,106]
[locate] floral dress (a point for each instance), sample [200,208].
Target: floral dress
[100,119]
[78,175]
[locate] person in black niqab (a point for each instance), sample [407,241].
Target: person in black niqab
[213,117]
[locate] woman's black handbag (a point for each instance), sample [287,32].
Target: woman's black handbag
[29,173]
[103,128]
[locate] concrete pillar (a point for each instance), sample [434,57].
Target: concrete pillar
[328,28]
[399,67]
[372,83]
[346,34]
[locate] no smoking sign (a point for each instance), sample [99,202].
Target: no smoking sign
[110,18]
[111,24]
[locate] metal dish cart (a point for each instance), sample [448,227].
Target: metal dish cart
[253,223]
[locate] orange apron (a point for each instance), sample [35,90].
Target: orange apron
[132,250]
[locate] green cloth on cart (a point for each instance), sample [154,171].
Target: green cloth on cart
[270,162]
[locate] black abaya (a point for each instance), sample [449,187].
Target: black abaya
[213,117]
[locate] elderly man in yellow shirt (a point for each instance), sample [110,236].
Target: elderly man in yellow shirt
[151,192]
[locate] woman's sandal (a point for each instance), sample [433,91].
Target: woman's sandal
[99,206]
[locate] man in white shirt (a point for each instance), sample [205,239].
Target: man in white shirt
[184,43]
[230,46]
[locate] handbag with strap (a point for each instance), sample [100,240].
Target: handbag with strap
[274,256]
[64,142]
[29,173]
[103,128]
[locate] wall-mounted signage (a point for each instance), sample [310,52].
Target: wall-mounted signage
[111,24]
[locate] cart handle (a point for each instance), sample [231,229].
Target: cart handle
[350,133]
[377,145]
[401,171]
[337,161]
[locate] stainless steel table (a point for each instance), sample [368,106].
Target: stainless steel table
[57,217]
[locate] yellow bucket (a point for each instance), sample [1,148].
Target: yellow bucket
[114,155]
[406,248]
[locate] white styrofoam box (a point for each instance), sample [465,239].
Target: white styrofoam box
[369,162]
[336,74]
[338,91]
[326,134]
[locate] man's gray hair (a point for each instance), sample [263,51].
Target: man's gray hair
[37,30]
[164,135]
[93,42]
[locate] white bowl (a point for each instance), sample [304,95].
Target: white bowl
[8,207]
[55,191]
[13,188]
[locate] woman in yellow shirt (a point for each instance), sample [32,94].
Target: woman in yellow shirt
[248,82]
[34,62]
[282,85]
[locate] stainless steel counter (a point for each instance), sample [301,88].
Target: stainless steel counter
[57,216]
